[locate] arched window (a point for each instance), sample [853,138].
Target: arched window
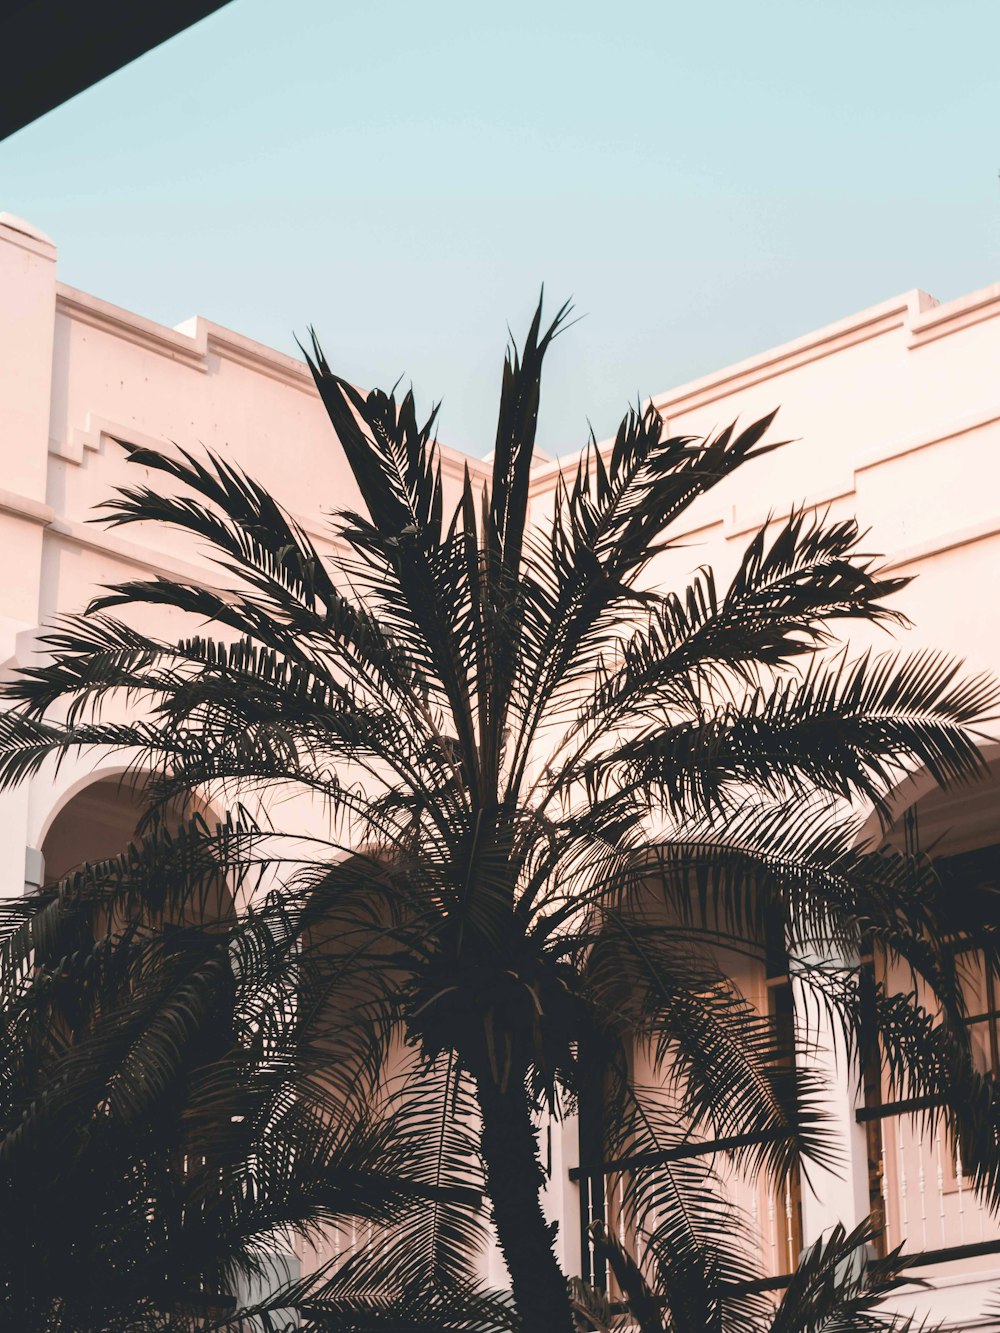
[161,966]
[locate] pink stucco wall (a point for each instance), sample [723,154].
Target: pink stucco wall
[895,414]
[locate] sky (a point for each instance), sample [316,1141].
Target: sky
[704,181]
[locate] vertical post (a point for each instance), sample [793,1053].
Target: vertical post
[839,1192]
[27,335]
[922,1188]
[591,1144]
[563,1199]
[883,1176]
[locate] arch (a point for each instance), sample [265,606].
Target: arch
[958,828]
[919,785]
[74,787]
[96,820]
[119,784]
[156,943]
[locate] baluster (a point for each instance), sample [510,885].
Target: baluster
[961,1194]
[621,1213]
[772,1231]
[611,1221]
[589,1183]
[789,1225]
[922,1187]
[979,1203]
[982,1214]
[940,1184]
[883,1173]
[654,1226]
[903,1191]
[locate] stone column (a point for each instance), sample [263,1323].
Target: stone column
[838,1193]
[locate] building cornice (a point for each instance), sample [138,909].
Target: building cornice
[23,506]
[83,308]
[193,344]
[953,316]
[815,346]
[877,320]
[26,236]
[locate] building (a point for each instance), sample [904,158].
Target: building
[895,417]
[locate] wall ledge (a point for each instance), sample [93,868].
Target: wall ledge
[194,343]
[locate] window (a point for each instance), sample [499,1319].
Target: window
[982,998]
[965,873]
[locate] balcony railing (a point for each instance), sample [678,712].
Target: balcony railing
[771,1217]
[920,1194]
[919,1190]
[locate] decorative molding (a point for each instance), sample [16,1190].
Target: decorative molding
[130,553]
[901,311]
[97,428]
[926,319]
[780,360]
[949,541]
[90,437]
[146,333]
[193,344]
[23,506]
[26,236]
[241,351]
[954,316]
[740,520]
[846,485]
[912,444]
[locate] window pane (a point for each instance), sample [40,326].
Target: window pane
[973,975]
[979,1034]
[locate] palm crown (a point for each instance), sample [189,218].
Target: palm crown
[555,789]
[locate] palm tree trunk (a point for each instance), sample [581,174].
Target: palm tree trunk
[514,1179]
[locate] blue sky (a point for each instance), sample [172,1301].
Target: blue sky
[705,180]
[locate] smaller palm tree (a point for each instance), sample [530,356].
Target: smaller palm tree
[837,1287]
[170,1126]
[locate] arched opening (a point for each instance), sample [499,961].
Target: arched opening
[97,824]
[341,1009]
[100,820]
[746,971]
[154,1000]
[918,1187]
[94,825]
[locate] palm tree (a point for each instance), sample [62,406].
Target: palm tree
[163,1137]
[837,1287]
[554,787]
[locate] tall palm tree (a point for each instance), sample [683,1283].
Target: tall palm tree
[554,787]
